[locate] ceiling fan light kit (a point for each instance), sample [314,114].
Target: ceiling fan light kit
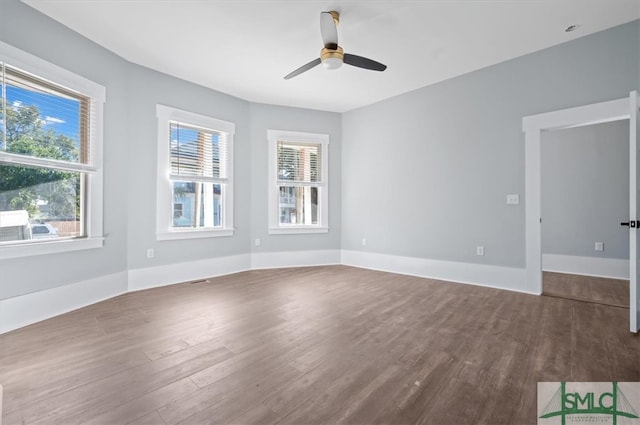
[332,56]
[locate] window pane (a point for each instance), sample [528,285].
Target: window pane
[196,151]
[37,203]
[3,145]
[44,122]
[197,205]
[299,162]
[298,205]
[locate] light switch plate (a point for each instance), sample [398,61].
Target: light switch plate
[513,199]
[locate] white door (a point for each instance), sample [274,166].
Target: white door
[634,213]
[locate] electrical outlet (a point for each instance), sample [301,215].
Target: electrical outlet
[513,199]
[364,241]
[151,253]
[479,250]
[599,246]
[257,242]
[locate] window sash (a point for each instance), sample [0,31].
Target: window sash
[203,155]
[202,206]
[298,205]
[300,161]
[12,76]
[80,211]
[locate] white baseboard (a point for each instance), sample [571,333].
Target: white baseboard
[30,308]
[169,274]
[270,260]
[589,266]
[510,278]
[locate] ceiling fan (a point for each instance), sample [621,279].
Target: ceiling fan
[332,56]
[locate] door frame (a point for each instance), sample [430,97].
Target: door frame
[533,126]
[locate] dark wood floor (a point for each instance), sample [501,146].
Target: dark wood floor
[320,345]
[601,290]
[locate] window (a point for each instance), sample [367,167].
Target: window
[177,210]
[50,157]
[298,192]
[195,175]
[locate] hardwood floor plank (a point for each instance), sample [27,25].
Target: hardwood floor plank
[423,388]
[138,407]
[230,397]
[152,418]
[367,403]
[593,289]
[334,395]
[310,385]
[258,415]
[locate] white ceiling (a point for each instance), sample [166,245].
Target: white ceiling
[244,48]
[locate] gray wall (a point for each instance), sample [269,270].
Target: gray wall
[264,117]
[146,88]
[426,174]
[585,190]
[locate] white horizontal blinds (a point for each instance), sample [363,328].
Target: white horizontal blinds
[45,124]
[3,109]
[198,154]
[299,163]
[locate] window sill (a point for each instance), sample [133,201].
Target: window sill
[193,234]
[27,249]
[295,230]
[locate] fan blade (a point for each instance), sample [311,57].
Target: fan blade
[303,68]
[361,62]
[328,30]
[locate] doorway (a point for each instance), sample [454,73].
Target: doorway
[533,127]
[584,197]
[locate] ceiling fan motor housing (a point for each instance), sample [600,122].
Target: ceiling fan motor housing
[332,58]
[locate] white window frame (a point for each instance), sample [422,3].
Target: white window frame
[93,213]
[164,208]
[297,137]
